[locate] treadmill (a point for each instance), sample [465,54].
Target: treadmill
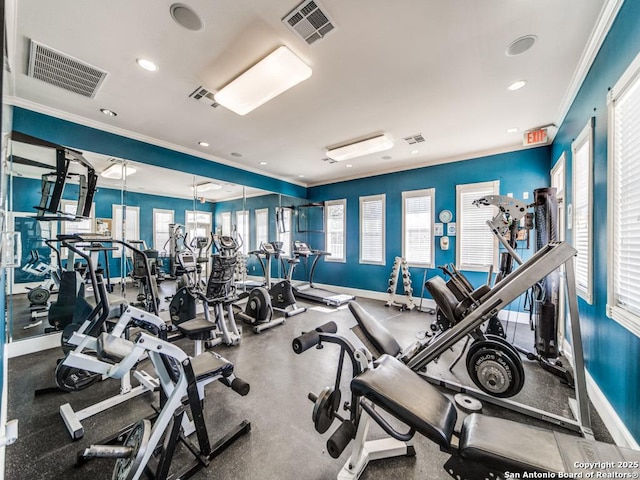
[307,290]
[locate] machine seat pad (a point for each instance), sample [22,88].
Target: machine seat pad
[375,332]
[113,349]
[510,446]
[397,389]
[198,327]
[209,364]
[444,298]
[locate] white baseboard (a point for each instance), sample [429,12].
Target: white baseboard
[33,345]
[618,430]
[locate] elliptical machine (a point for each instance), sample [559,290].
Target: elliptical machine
[264,300]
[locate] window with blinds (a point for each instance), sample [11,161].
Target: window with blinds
[262,226]
[197,224]
[242,229]
[132,226]
[284,230]
[417,227]
[225,218]
[623,301]
[476,246]
[336,221]
[582,161]
[87,225]
[372,230]
[161,221]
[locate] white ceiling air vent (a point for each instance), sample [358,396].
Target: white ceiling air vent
[61,70]
[205,96]
[413,139]
[309,21]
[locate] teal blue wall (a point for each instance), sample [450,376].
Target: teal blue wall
[611,351]
[85,138]
[518,172]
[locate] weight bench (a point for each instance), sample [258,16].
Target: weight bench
[498,444]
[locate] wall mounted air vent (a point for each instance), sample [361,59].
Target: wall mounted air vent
[61,70]
[329,160]
[413,139]
[205,96]
[309,21]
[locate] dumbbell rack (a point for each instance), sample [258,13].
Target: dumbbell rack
[400,268]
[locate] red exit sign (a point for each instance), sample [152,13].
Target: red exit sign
[535,137]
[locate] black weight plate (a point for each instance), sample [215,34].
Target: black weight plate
[323,410]
[138,440]
[38,296]
[71,379]
[503,342]
[511,351]
[494,369]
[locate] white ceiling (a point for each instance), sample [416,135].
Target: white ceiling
[401,67]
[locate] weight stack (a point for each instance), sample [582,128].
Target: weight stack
[546,305]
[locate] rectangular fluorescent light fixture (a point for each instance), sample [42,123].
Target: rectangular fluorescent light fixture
[207,187]
[115,171]
[358,149]
[274,74]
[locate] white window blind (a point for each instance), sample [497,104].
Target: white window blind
[242,229]
[197,224]
[372,229]
[226,223]
[624,200]
[83,226]
[581,150]
[262,226]
[476,246]
[132,228]
[284,230]
[417,221]
[336,219]
[161,221]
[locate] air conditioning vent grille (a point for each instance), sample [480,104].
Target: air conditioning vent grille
[413,139]
[205,96]
[61,70]
[309,21]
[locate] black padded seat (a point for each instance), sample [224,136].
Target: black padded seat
[510,446]
[444,298]
[113,349]
[196,329]
[208,364]
[397,389]
[375,332]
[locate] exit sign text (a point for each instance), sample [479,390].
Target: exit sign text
[535,137]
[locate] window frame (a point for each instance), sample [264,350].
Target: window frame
[461,189]
[225,224]
[327,205]
[115,207]
[629,79]
[208,223]
[586,135]
[426,192]
[362,200]
[161,211]
[285,237]
[64,252]
[258,213]
[246,240]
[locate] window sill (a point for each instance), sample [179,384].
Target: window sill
[627,319]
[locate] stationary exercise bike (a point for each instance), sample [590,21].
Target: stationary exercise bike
[263,301]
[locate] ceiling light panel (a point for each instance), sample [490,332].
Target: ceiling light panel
[116,171]
[271,76]
[359,149]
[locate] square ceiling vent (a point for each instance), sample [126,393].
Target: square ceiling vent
[64,71]
[309,21]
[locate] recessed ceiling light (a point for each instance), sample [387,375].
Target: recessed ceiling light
[349,166]
[512,130]
[517,85]
[109,113]
[116,171]
[263,163]
[520,45]
[203,144]
[185,17]
[148,65]
[207,187]
[413,152]
[236,154]
[301,176]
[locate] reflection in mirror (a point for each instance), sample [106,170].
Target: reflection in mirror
[133,201]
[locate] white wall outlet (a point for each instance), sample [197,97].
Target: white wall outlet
[525,195]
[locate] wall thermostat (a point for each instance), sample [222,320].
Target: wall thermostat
[445,216]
